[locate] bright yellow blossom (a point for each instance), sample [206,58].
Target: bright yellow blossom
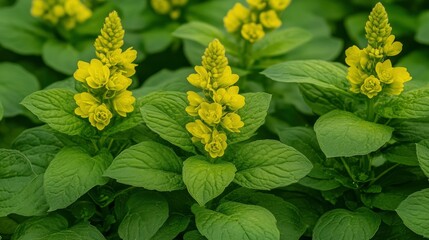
[269,19]
[98,74]
[200,79]
[123,102]
[232,122]
[122,61]
[210,113]
[194,103]
[229,97]
[161,6]
[200,132]
[279,5]
[356,77]
[100,117]
[236,17]
[252,32]
[257,4]
[392,48]
[371,86]
[226,79]
[118,82]
[217,145]
[86,104]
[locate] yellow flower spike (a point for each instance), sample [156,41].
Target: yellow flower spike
[377,27]
[392,48]
[257,4]
[371,86]
[279,5]
[122,61]
[161,6]
[123,102]
[214,59]
[200,79]
[118,82]
[269,19]
[235,17]
[232,122]
[210,113]
[194,103]
[226,79]
[86,104]
[216,147]
[111,37]
[200,132]
[99,74]
[252,32]
[100,117]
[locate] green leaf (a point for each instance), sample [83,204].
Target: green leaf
[7,225]
[132,120]
[404,154]
[411,104]
[193,235]
[280,42]
[289,219]
[410,130]
[60,56]
[72,173]
[323,48]
[343,134]
[174,225]
[422,34]
[236,221]
[54,227]
[158,39]
[343,224]
[205,180]
[149,165]
[56,108]
[422,149]
[415,213]
[147,212]
[268,164]
[1,111]
[199,32]
[252,114]
[21,189]
[164,113]
[15,84]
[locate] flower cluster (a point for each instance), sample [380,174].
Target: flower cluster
[66,13]
[168,7]
[253,22]
[370,71]
[216,107]
[106,78]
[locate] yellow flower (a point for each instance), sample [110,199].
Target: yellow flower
[58,11]
[371,87]
[111,37]
[252,32]
[226,79]
[392,48]
[98,74]
[229,97]
[385,72]
[118,82]
[200,132]
[38,8]
[400,76]
[377,27]
[214,59]
[161,6]
[235,17]
[279,5]
[123,102]
[86,104]
[123,61]
[210,113]
[356,77]
[82,71]
[269,19]
[232,122]
[194,103]
[216,147]
[258,4]
[175,14]
[200,79]
[353,56]
[77,10]
[100,117]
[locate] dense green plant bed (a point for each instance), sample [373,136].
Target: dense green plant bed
[217,119]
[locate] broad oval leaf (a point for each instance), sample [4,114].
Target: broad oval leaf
[411,104]
[342,224]
[205,180]
[422,34]
[53,227]
[252,114]
[72,173]
[422,149]
[199,32]
[236,221]
[343,134]
[60,56]
[268,164]
[15,84]
[164,113]
[414,212]
[174,225]
[147,212]
[149,165]
[56,108]
[21,189]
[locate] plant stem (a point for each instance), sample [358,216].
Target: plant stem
[346,166]
[246,55]
[370,113]
[123,191]
[383,173]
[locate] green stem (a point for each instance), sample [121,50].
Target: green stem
[123,191]
[383,173]
[346,166]
[94,143]
[246,55]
